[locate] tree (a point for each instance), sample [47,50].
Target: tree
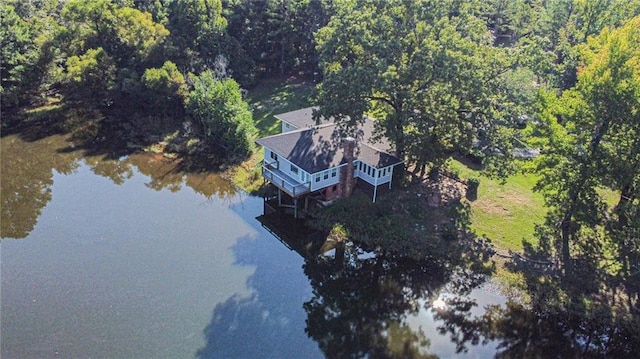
[276,37]
[19,54]
[426,70]
[127,37]
[166,89]
[609,89]
[217,104]
[92,75]
[582,277]
[14,36]
[197,28]
[597,144]
[563,24]
[510,20]
[589,292]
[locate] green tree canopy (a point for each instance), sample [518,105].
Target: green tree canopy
[92,75]
[128,35]
[277,36]
[427,70]
[166,89]
[197,30]
[593,134]
[217,104]
[598,143]
[19,54]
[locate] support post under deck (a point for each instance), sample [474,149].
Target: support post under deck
[375,191]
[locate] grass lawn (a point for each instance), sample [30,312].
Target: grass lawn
[505,213]
[274,96]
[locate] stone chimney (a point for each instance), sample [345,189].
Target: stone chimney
[347,178]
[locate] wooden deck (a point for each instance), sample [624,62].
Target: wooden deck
[287,184]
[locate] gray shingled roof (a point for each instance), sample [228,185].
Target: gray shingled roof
[315,148]
[303,118]
[375,157]
[299,118]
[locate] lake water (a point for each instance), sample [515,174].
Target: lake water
[128,258]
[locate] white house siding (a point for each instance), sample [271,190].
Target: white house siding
[285,166]
[271,159]
[385,174]
[318,180]
[373,175]
[293,171]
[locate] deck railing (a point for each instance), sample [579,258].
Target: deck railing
[292,188]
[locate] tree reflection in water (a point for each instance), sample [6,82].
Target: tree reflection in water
[269,322]
[566,315]
[576,314]
[163,174]
[27,166]
[524,332]
[30,159]
[360,306]
[359,309]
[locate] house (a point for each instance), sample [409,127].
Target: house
[321,159]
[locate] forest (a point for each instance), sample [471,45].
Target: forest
[474,79]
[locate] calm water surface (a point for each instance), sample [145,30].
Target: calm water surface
[129,259]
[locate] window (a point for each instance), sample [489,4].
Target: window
[294,169]
[334,172]
[317,177]
[273,155]
[325,174]
[369,170]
